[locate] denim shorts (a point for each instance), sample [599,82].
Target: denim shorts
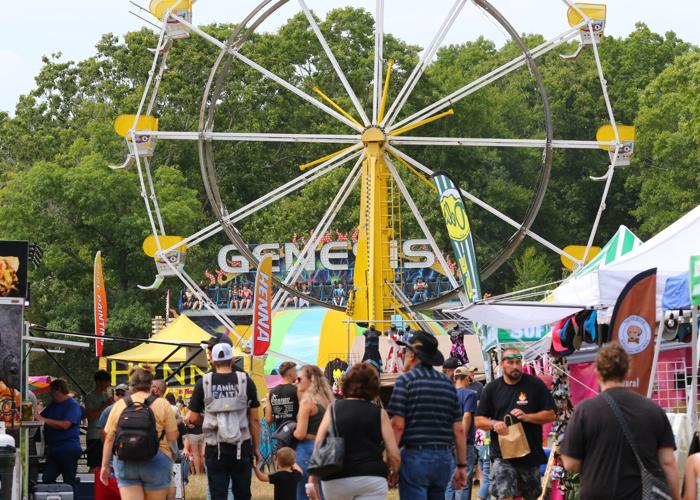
[153,474]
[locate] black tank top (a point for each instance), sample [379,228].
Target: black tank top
[284,402]
[360,423]
[315,420]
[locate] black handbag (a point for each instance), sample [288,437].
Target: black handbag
[653,488]
[327,457]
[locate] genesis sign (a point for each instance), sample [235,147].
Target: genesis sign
[333,256]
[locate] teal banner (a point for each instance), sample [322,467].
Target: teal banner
[457,222]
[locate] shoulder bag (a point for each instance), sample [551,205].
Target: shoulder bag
[327,457]
[653,488]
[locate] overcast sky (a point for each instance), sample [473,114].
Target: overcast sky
[73,27]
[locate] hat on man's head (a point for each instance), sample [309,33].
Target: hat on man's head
[462,371]
[122,387]
[451,363]
[471,368]
[425,347]
[222,352]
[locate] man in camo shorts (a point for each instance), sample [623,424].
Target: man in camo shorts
[527,399]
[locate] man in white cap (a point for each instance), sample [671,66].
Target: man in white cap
[226,403]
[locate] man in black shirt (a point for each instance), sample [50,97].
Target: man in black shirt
[282,402]
[231,397]
[526,398]
[595,444]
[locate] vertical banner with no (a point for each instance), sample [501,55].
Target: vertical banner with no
[459,230]
[100,303]
[262,310]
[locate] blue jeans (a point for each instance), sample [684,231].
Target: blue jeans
[64,464]
[485,464]
[424,473]
[153,474]
[304,450]
[225,469]
[466,493]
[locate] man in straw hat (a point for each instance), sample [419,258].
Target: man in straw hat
[427,420]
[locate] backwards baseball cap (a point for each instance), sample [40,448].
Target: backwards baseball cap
[425,347]
[222,352]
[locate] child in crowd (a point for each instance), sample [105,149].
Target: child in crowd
[287,476]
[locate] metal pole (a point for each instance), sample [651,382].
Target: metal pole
[693,406]
[183,365]
[657,348]
[64,370]
[162,361]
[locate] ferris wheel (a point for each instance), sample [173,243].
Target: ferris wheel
[373,143]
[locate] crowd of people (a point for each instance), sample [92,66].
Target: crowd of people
[437,429]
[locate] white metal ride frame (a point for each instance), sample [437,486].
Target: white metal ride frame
[353,138]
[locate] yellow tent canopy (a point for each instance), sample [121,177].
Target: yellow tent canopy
[181,330]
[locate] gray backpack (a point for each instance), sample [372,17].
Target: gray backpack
[226,419]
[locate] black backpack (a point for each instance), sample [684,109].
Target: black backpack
[137,438]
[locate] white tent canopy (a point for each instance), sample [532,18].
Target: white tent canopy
[669,251]
[516,315]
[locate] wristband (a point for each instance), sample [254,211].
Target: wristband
[461,466]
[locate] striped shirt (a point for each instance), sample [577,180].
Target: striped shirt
[427,401]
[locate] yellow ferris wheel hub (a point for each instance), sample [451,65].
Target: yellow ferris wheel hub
[373,135]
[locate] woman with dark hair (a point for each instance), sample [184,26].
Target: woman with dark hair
[367,431]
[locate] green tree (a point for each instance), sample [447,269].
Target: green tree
[668,176]
[531,269]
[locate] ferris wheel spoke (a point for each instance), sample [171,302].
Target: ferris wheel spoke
[486,79]
[269,74]
[378,59]
[270,197]
[334,62]
[320,229]
[497,142]
[423,63]
[421,222]
[250,137]
[489,208]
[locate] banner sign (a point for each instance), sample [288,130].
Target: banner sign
[14,257]
[10,369]
[695,280]
[632,325]
[457,222]
[100,303]
[503,336]
[262,312]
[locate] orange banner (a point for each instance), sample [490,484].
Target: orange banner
[100,303]
[632,325]
[262,313]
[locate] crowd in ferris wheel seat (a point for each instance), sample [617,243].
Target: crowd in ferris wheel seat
[237,295]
